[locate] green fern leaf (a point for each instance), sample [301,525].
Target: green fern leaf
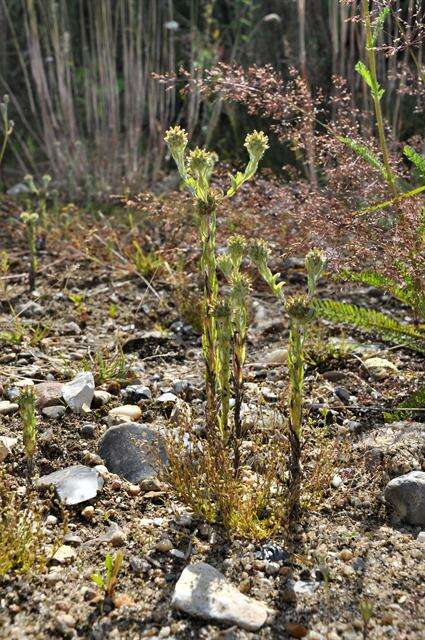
[416,159]
[375,279]
[415,401]
[371,321]
[365,153]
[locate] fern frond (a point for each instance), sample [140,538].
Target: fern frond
[371,321]
[414,401]
[365,153]
[418,160]
[375,279]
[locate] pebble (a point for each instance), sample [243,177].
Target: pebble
[164,545]
[167,398]
[48,393]
[88,512]
[64,554]
[78,393]
[118,538]
[88,430]
[124,413]
[406,497]
[136,393]
[64,622]
[7,407]
[100,398]
[54,411]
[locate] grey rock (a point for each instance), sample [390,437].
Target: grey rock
[74,484]
[136,393]
[204,592]
[54,411]
[132,451]
[71,328]
[30,310]
[406,497]
[167,398]
[79,392]
[18,188]
[88,430]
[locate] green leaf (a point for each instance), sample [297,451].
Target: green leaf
[418,160]
[109,563]
[371,321]
[415,401]
[379,24]
[376,90]
[366,154]
[97,579]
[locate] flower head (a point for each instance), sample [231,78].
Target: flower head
[176,138]
[237,248]
[241,285]
[315,262]
[29,218]
[259,252]
[200,163]
[256,144]
[299,308]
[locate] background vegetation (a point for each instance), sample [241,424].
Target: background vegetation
[89,111]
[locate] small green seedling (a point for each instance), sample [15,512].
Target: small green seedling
[108,582]
[366,612]
[27,406]
[31,221]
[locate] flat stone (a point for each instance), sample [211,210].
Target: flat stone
[406,497]
[74,484]
[6,446]
[48,394]
[204,592]
[128,413]
[277,356]
[167,398]
[54,411]
[380,368]
[7,407]
[78,393]
[64,554]
[132,451]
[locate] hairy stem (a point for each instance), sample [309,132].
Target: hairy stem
[296,374]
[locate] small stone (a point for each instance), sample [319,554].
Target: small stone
[123,600]
[204,592]
[54,411]
[124,413]
[6,446]
[184,520]
[7,407]
[74,484]
[70,328]
[346,555]
[421,537]
[64,554]
[289,596]
[136,393]
[164,545]
[79,392]
[277,356]
[380,368]
[134,489]
[48,394]
[336,481]
[167,398]
[51,520]
[88,430]
[343,394]
[88,512]
[100,398]
[406,497]
[53,577]
[118,539]
[64,623]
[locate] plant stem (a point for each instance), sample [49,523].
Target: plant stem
[207,232]
[370,52]
[224,341]
[296,374]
